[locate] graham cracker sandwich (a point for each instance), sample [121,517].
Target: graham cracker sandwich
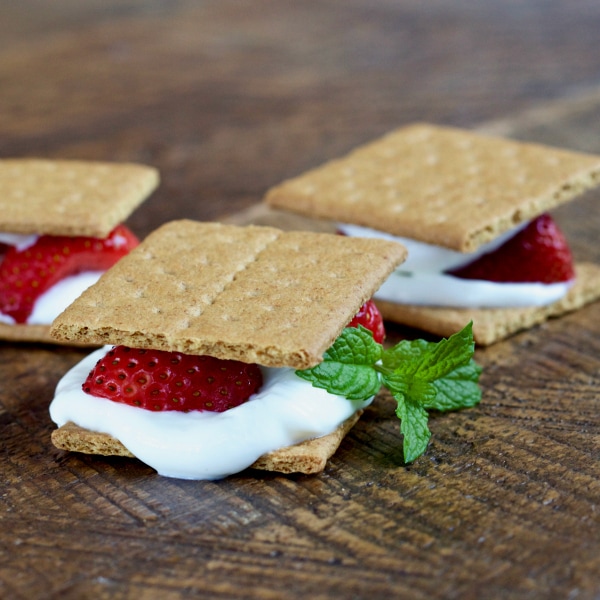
[61,226]
[473,212]
[204,327]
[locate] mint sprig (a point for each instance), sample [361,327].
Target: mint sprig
[420,375]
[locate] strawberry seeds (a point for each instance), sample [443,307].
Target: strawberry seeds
[27,273]
[537,253]
[158,380]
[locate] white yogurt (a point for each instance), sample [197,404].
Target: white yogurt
[420,280]
[200,444]
[19,241]
[52,302]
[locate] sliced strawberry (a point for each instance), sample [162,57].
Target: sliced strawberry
[157,380]
[369,316]
[26,274]
[537,253]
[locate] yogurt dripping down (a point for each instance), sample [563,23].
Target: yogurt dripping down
[205,445]
[421,280]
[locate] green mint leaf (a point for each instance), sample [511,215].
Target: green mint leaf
[429,360]
[413,425]
[348,366]
[426,375]
[459,389]
[419,391]
[449,354]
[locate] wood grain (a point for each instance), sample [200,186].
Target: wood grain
[226,99]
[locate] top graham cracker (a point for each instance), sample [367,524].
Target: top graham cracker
[68,197]
[440,185]
[255,294]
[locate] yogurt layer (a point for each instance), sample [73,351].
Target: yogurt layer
[50,304]
[19,241]
[421,280]
[205,445]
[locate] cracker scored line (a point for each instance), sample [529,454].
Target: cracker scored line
[255,294]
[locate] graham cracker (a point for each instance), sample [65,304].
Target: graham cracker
[491,325]
[256,294]
[308,457]
[68,197]
[440,185]
[29,333]
[74,438]
[26,333]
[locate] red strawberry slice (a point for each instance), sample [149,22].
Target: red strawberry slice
[26,274]
[369,316]
[537,253]
[158,380]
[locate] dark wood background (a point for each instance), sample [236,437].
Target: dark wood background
[227,98]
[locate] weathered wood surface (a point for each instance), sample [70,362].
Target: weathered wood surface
[227,98]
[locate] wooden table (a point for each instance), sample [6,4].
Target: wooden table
[227,98]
